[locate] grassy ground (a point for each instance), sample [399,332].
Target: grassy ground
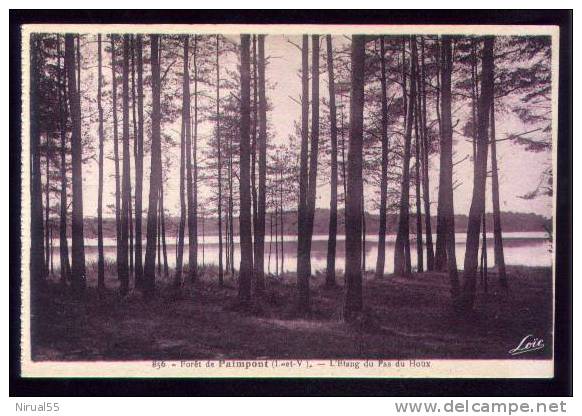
[404,318]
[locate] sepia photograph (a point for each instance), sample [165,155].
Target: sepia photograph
[289,200]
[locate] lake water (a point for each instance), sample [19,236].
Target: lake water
[520,248]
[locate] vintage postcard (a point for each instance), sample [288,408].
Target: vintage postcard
[288,201]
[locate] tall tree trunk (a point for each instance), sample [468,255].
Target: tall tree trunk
[305,272]
[417,163]
[446,207]
[63,242]
[331,240]
[182,223]
[353,300]
[155,175]
[313,157]
[259,246]
[402,265]
[220,265]
[425,166]
[122,261]
[440,261]
[246,239]
[37,263]
[497,236]
[231,206]
[139,168]
[478,200]
[193,215]
[134,122]
[255,120]
[78,245]
[116,152]
[303,263]
[101,256]
[192,246]
[380,260]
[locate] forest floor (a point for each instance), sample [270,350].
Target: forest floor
[404,318]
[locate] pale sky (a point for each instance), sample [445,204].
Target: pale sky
[519,169]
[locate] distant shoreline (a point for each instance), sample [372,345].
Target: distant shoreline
[510,221]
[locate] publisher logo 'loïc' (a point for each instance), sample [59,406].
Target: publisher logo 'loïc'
[529,343]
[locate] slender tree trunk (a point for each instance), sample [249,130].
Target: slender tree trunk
[116,153]
[52,242]
[227,237]
[270,241]
[380,260]
[478,200]
[182,224]
[163,232]
[122,261]
[139,168]
[353,300]
[344,163]
[193,215]
[446,207]
[313,157]
[131,72]
[305,272]
[259,246]
[331,240]
[155,175]
[101,256]
[220,265]
[231,206]
[63,242]
[402,265]
[425,167]
[159,239]
[363,229]
[282,222]
[484,253]
[37,263]
[303,264]
[276,239]
[47,202]
[192,247]
[246,239]
[78,245]
[497,236]
[255,120]
[203,240]
[417,163]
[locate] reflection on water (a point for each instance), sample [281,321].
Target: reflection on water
[521,248]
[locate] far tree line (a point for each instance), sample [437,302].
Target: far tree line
[392,103]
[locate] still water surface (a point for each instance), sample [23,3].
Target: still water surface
[521,248]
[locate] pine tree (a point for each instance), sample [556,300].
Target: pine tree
[353,300]
[478,200]
[246,242]
[78,276]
